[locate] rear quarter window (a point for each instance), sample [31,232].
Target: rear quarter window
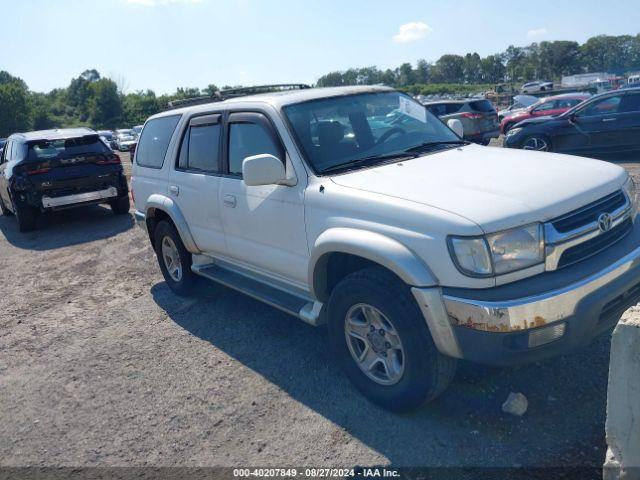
[154,141]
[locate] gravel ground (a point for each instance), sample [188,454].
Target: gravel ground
[100,364]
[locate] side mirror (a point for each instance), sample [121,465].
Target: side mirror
[456,125]
[263,170]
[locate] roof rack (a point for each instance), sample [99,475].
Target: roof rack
[222,95]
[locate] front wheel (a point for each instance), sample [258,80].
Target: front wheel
[174,259]
[382,342]
[537,142]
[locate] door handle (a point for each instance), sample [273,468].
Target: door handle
[609,119]
[229,201]
[174,190]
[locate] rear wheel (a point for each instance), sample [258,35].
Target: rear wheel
[121,205]
[537,142]
[382,341]
[174,259]
[26,217]
[3,208]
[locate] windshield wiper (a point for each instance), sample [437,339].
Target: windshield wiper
[376,158]
[427,145]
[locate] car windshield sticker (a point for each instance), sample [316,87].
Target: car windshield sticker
[413,109]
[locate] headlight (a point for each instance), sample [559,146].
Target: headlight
[630,190]
[513,131]
[500,252]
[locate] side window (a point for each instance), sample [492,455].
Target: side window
[200,149]
[630,103]
[248,139]
[606,106]
[154,141]
[545,106]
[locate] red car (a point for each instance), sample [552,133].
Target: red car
[549,106]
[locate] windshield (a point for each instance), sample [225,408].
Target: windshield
[368,128]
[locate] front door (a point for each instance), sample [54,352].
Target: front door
[4,181]
[194,182]
[599,122]
[264,225]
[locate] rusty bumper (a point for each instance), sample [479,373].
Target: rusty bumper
[543,309]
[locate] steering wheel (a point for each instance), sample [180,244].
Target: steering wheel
[389,133]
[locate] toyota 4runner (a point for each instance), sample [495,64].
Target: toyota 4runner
[358,208]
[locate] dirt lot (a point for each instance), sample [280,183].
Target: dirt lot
[100,364]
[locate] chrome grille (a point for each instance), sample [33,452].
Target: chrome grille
[585,215]
[577,235]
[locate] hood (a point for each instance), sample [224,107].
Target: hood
[493,187]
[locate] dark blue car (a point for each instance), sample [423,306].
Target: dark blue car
[606,123]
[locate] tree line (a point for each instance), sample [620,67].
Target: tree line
[89,100]
[99,102]
[537,61]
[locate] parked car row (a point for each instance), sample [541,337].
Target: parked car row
[605,123]
[123,139]
[549,106]
[478,116]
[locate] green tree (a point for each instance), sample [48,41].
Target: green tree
[14,105]
[104,105]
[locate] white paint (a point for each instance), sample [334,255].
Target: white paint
[623,403]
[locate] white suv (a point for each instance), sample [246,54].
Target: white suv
[358,208]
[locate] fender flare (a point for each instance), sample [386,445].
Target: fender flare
[372,246]
[168,206]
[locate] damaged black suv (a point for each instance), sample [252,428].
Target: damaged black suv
[59,169]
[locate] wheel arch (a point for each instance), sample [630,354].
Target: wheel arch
[160,207]
[347,249]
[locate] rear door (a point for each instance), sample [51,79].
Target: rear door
[194,181]
[629,121]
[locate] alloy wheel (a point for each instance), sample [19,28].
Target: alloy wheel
[374,344]
[171,258]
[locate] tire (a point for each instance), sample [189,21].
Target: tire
[485,141]
[423,374]
[166,238]
[540,143]
[121,205]
[26,217]
[3,208]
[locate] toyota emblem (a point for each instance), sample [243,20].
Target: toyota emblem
[604,222]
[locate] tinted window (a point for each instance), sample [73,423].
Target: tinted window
[545,106]
[630,103]
[604,106]
[200,148]
[48,149]
[482,106]
[438,109]
[154,141]
[246,140]
[452,108]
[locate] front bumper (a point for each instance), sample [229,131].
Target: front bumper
[493,326]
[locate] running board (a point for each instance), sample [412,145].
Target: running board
[302,308]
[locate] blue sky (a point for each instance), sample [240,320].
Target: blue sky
[164,44]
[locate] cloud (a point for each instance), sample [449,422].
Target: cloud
[412,32]
[537,32]
[153,3]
